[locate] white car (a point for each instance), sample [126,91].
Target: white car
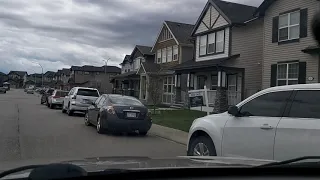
[79,99]
[278,123]
[57,98]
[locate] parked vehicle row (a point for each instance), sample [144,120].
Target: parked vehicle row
[108,112]
[3,90]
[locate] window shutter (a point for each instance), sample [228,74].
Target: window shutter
[273,81]
[275,29]
[302,72]
[303,23]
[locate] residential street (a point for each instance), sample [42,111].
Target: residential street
[30,131]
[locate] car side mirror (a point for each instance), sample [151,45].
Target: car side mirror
[233,110]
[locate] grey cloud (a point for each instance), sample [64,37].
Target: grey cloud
[63,33]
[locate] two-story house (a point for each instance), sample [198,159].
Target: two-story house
[48,77]
[128,82]
[34,80]
[17,79]
[173,46]
[92,76]
[290,53]
[228,53]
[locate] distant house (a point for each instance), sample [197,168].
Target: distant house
[3,78]
[48,76]
[93,76]
[17,79]
[128,82]
[34,79]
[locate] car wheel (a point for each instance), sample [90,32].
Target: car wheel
[51,106]
[63,110]
[86,119]
[69,112]
[41,102]
[99,126]
[201,146]
[143,133]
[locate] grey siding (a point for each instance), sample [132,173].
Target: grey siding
[187,53]
[247,41]
[274,53]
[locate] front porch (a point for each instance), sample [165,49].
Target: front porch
[127,84]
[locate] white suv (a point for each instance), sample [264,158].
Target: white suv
[79,99]
[277,123]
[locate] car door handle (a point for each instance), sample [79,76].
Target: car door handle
[266,127]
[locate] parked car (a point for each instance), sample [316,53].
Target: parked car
[30,91]
[271,124]
[56,99]
[3,90]
[79,99]
[45,95]
[117,113]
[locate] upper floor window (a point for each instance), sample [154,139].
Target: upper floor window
[86,73]
[289,26]
[168,54]
[212,43]
[288,73]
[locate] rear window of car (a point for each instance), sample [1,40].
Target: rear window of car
[125,100]
[88,92]
[62,93]
[50,91]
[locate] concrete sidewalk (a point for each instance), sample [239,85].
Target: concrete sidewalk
[169,133]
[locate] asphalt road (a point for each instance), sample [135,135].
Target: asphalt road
[32,133]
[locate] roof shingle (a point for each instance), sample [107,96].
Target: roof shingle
[181,31]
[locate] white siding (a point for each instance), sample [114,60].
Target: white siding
[220,22]
[206,19]
[226,49]
[126,67]
[274,53]
[201,28]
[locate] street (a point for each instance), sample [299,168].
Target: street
[30,131]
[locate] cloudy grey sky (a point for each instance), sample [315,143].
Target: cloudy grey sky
[61,33]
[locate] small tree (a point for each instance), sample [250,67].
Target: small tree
[154,90]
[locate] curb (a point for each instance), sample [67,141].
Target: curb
[171,134]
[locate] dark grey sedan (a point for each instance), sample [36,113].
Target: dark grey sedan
[117,113]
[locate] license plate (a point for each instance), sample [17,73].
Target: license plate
[132,115]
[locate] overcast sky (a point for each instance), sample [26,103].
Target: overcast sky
[61,33]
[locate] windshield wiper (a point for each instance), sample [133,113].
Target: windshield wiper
[295,160]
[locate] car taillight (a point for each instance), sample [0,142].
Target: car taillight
[110,110]
[54,97]
[74,97]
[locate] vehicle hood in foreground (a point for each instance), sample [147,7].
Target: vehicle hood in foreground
[135,163]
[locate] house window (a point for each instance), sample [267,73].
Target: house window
[203,45]
[220,41]
[80,72]
[168,84]
[175,53]
[164,55]
[289,26]
[214,82]
[211,43]
[288,74]
[86,73]
[159,56]
[136,63]
[169,54]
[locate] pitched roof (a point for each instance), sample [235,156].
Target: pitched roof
[2,74]
[49,74]
[37,75]
[109,69]
[126,59]
[145,50]
[127,74]
[20,73]
[151,67]
[66,71]
[181,31]
[237,13]
[263,7]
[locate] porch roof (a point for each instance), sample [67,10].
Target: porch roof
[130,74]
[191,65]
[311,50]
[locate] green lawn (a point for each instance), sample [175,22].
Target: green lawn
[177,119]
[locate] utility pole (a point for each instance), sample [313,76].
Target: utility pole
[105,69]
[41,71]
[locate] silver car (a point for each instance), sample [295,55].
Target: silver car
[79,99]
[56,99]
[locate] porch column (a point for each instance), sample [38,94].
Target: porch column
[221,101]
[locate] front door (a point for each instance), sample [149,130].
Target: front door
[253,133]
[298,133]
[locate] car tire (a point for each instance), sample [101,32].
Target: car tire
[99,126]
[204,141]
[41,102]
[51,106]
[86,119]
[63,110]
[143,133]
[69,112]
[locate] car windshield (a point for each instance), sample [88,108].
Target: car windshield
[124,100]
[88,92]
[62,93]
